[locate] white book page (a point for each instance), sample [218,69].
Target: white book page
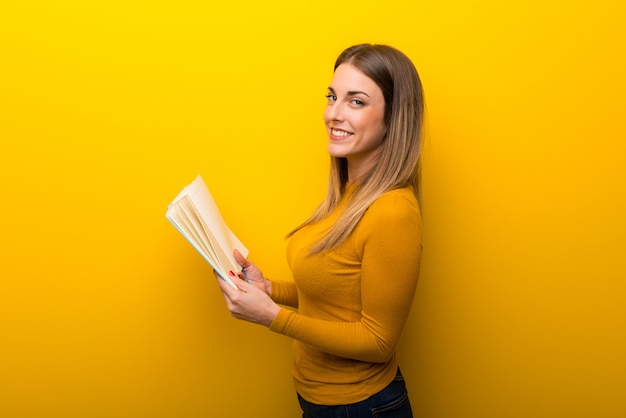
[196,215]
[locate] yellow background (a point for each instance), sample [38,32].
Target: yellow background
[108,108]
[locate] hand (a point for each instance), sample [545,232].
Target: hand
[252,273]
[249,303]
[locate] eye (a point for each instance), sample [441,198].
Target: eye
[357,102]
[331,97]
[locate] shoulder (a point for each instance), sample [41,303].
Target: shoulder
[397,202]
[397,209]
[394,218]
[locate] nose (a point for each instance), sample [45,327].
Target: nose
[333,112]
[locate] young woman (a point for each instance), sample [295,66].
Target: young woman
[356,260]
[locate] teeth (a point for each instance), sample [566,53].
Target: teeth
[335,132]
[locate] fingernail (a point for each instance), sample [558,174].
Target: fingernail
[231,273]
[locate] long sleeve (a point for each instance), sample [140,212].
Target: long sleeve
[285,293]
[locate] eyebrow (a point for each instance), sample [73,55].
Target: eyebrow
[350,92]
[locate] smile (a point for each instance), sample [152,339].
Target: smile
[339,133]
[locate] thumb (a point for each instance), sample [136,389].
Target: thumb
[239,258]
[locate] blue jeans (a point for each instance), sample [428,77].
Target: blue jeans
[391,402]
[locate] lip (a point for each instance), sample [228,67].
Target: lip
[338,134]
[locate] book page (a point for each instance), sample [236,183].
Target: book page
[196,216]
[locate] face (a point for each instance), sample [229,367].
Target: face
[354,119]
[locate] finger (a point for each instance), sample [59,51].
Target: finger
[244,286]
[241,259]
[227,289]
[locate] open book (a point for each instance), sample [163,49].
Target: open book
[196,216]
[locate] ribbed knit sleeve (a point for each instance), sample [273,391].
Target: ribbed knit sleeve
[285,293]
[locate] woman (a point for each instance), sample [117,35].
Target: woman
[355,261]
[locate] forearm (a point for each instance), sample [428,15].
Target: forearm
[283,292]
[359,340]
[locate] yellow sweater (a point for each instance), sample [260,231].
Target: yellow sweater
[352,302]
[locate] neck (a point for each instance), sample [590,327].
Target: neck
[358,168]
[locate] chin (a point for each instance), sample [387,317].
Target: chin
[333,152]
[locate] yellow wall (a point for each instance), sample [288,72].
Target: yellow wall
[107,108]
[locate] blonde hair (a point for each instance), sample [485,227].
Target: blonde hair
[399,162]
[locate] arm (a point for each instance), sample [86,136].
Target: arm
[284,293]
[391,252]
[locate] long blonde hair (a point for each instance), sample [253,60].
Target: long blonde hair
[399,163]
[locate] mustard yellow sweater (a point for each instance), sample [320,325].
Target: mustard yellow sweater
[352,302]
